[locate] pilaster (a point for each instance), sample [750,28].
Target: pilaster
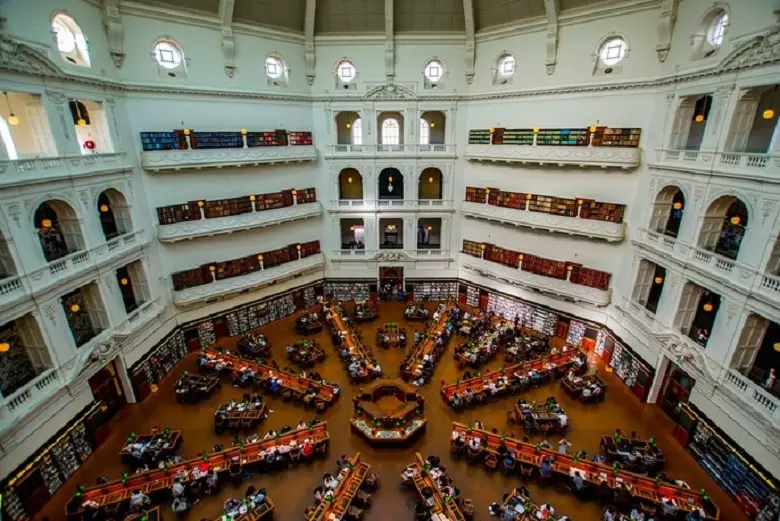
[723,100]
[112,298]
[56,104]
[725,331]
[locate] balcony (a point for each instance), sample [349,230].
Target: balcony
[225,287]
[46,169]
[56,272]
[608,231]
[748,280]
[395,205]
[740,165]
[556,287]
[594,157]
[364,151]
[225,157]
[754,395]
[391,255]
[14,407]
[208,227]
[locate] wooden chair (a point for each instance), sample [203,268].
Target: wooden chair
[371,482]
[354,513]
[526,472]
[363,499]
[320,405]
[472,454]
[468,508]
[491,462]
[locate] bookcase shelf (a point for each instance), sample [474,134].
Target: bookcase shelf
[616,137]
[348,291]
[476,195]
[553,205]
[301,138]
[163,141]
[238,267]
[479,137]
[472,248]
[211,140]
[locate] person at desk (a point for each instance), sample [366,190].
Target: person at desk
[546,511]
[139,500]
[328,481]
[598,458]
[179,505]
[578,482]
[509,459]
[636,515]
[545,469]
[177,490]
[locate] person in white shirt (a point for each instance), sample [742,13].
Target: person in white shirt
[177,489]
[329,481]
[563,419]
[139,500]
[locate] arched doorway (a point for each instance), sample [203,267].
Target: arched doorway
[724,226]
[430,186]
[391,184]
[58,228]
[350,184]
[114,214]
[667,212]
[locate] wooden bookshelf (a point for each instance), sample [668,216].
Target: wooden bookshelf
[191,278]
[227,207]
[500,255]
[212,140]
[310,248]
[590,277]
[476,195]
[553,205]
[479,137]
[508,199]
[307,195]
[522,136]
[602,211]
[472,248]
[163,141]
[178,213]
[301,138]
[545,267]
[616,137]
[562,137]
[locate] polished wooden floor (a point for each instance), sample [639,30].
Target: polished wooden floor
[291,490]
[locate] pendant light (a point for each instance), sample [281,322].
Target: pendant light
[390,184]
[770,112]
[349,125]
[700,117]
[659,280]
[4,347]
[75,308]
[707,307]
[81,121]
[13,119]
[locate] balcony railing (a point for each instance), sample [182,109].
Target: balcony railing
[373,205]
[41,388]
[43,169]
[752,394]
[728,271]
[69,266]
[601,157]
[157,160]
[731,164]
[247,221]
[609,231]
[393,150]
[541,283]
[232,285]
[390,254]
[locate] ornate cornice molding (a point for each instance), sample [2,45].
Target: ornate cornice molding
[761,50]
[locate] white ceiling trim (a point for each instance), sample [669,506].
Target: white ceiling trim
[379,38]
[225,15]
[308,52]
[470,50]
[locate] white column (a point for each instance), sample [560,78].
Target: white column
[658,380]
[717,120]
[729,322]
[410,232]
[61,122]
[54,325]
[670,296]
[124,378]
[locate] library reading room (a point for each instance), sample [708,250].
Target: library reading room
[389,260]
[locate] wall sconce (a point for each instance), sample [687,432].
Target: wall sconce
[528,196]
[349,125]
[201,204]
[349,180]
[430,179]
[243,132]
[536,130]
[253,198]
[699,118]
[260,258]
[294,192]
[569,267]
[482,246]
[298,247]
[592,128]
[212,268]
[430,227]
[433,124]
[187,132]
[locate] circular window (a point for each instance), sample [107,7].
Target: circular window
[434,70]
[613,51]
[717,30]
[167,54]
[66,40]
[274,67]
[346,71]
[506,65]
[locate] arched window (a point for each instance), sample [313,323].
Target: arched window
[8,140]
[506,65]
[717,29]
[70,40]
[346,71]
[390,132]
[357,132]
[613,51]
[168,54]
[274,67]
[425,132]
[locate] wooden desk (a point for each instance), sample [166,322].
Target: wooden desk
[364,313]
[350,340]
[642,487]
[197,386]
[393,334]
[302,347]
[574,389]
[428,345]
[167,446]
[326,393]
[344,493]
[560,363]
[417,314]
[254,345]
[235,419]
[423,480]
[158,480]
[152,514]
[265,512]
[610,448]
[307,326]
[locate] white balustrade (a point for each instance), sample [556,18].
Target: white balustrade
[50,168]
[371,205]
[598,157]
[400,149]
[754,395]
[732,164]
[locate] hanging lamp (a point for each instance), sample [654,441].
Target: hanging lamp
[770,112]
[13,119]
[81,121]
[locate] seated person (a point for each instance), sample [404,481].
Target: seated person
[139,500]
[578,482]
[509,459]
[179,505]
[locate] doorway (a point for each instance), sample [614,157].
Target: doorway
[676,390]
[107,388]
[392,276]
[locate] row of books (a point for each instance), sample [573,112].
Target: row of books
[579,207]
[211,209]
[593,136]
[178,139]
[578,274]
[212,271]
